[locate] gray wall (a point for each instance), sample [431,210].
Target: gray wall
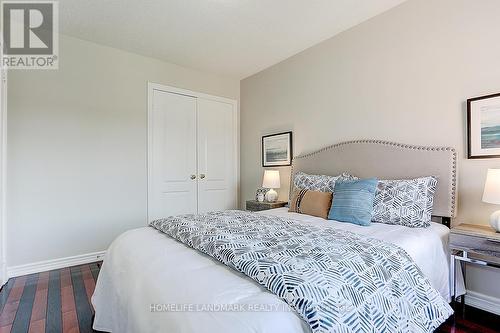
[77,148]
[402,76]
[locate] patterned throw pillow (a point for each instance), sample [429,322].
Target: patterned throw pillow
[353,201]
[406,202]
[320,183]
[312,203]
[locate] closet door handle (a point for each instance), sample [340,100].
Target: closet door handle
[193,177]
[202,176]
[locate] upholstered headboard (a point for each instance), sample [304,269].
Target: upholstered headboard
[388,160]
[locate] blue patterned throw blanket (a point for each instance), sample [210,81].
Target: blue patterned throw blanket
[336,280]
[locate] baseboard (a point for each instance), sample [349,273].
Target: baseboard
[47,265]
[483,302]
[3,274]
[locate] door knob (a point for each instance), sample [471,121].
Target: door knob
[202,176]
[193,177]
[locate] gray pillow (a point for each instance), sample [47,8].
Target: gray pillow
[320,183]
[406,202]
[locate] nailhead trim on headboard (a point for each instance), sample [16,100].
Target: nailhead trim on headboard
[397,145]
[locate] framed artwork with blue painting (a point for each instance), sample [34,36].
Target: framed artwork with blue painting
[483,127]
[277,149]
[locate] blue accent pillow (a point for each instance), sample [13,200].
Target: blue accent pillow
[353,201]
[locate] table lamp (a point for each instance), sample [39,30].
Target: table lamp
[271,181]
[491,195]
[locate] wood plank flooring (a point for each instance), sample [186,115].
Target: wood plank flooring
[55,301]
[59,301]
[470,320]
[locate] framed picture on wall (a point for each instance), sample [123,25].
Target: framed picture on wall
[483,127]
[277,149]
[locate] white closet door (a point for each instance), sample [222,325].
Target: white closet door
[172,180]
[216,156]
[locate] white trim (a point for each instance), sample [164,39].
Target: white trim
[148,146]
[483,302]
[156,86]
[3,171]
[236,122]
[48,265]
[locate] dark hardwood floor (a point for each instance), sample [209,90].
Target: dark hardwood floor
[470,320]
[59,301]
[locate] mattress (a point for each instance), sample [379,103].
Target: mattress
[151,283]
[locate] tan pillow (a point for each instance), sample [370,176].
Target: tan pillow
[311,202]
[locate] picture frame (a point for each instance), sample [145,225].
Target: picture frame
[277,149]
[262,191]
[483,127]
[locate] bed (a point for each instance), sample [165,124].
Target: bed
[151,282]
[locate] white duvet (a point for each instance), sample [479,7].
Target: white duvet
[151,283]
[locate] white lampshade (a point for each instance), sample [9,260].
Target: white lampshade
[271,179]
[491,192]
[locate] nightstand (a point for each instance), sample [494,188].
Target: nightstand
[254,205]
[473,244]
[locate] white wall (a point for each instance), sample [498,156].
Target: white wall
[3,136]
[402,76]
[77,148]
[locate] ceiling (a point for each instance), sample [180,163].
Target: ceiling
[233,38]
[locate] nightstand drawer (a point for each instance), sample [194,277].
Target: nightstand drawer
[481,245]
[255,206]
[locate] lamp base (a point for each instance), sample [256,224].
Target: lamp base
[495,220]
[271,195]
